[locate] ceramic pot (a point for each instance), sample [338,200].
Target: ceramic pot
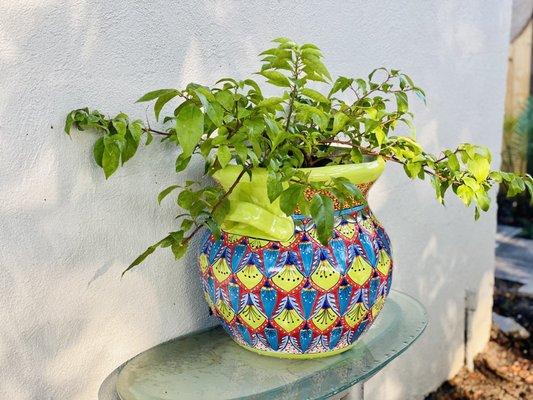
[276,289]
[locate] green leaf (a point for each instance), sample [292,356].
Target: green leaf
[453,162]
[213,109]
[189,127]
[219,214]
[254,85]
[130,148]
[401,102]
[483,200]
[496,176]
[342,83]
[349,187]
[178,249]
[225,98]
[161,101]
[98,151]
[213,227]
[182,161]
[471,183]
[339,121]
[270,101]
[322,212]
[528,182]
[215,112]
[479,167]
[465,193]
[69,122]
[155,94]
[186,199]
[412,169]
[274,186]
[281,40]
[166,192]
[290,197]
[136,129]
[315,95]
[276,78]
[146,253]
[111,156]
[120,126]
[149,137]
[420,94]
[186,224]
[223,155]
[230,80]
[356,156]
[313,66]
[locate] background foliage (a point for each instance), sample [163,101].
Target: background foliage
[517,157]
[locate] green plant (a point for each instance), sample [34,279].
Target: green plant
[517,157]
[233,122]
[516,138]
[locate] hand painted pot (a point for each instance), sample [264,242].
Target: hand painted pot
[276,289]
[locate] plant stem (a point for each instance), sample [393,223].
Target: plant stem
[217,204]
[445,157]
[369,152]
[294,91]
[156,132]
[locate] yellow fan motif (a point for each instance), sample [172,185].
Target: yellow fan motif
[288,278]
[288,242]
[347,230]
[368,225]
[250,276]
[355,315]
[288,319]
[378,305]
[360,270]
[225,311]
[325,276]
[384,262]
[232,238]
[324,318]
[221,270]
[204,263]
[257,243]
[251,315]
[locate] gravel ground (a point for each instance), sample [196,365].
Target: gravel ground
[504,371]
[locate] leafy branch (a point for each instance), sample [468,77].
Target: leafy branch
[232,122]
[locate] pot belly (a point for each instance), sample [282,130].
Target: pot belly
[299,298]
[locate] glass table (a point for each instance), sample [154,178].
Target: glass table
[209,365]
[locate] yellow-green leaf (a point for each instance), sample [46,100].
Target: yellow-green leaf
[479,167]
[189,127]
[314,95]
[339,121]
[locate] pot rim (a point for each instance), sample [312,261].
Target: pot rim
[364,172]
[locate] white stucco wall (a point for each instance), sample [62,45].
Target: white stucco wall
[66,317]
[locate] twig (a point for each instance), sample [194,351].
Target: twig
[369,152]
[156,132]
[293,93]
[217,204]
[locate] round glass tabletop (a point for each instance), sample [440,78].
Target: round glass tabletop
[209,365]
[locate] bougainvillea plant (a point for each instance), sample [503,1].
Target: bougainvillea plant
[232,122]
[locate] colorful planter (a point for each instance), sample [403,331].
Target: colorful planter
[285,294]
